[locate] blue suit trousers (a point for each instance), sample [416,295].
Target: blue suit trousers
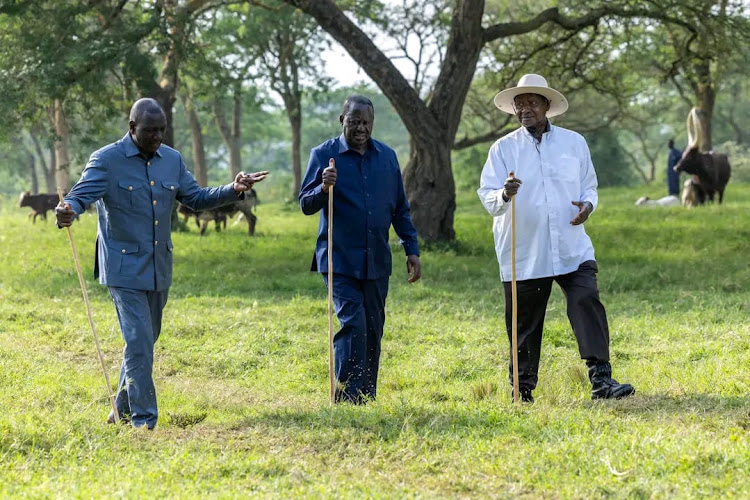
[140,314]
[360,309]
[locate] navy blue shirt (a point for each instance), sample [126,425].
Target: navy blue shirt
[368,198]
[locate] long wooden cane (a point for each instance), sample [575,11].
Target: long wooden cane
[91,318]
[331,377]
[514,297]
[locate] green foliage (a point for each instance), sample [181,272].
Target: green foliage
[610,160]
[241,370]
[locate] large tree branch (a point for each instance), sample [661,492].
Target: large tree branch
[414,113]
[553,15]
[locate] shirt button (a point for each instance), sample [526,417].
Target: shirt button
[154,202]
[152,183]
[148,163]
[156,223]
[130,188]
[123,250]
[171,187]
[156,242]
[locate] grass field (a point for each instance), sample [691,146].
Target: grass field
[241,370]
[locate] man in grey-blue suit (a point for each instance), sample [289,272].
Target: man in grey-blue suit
[134,183]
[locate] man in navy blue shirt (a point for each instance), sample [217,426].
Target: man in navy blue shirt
[673,178]
[368,199]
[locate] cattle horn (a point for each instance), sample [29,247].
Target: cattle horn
[694,128]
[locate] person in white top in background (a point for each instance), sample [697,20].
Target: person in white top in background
[556,190]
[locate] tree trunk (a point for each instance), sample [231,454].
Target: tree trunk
[62,157]
[231,136]
[48,173]
[432,208]
[196,134]
[32,172]
[235,153]
[295,122]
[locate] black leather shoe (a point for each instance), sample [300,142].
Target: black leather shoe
[525,395]
[603,386]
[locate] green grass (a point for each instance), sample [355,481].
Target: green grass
[241,370]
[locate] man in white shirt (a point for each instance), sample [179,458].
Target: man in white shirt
[555,184]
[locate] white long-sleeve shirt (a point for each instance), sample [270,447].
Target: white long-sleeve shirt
[554,173]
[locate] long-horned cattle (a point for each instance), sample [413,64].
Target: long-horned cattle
[711,170]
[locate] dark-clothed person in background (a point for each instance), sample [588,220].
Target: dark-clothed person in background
[134,183]
[673,178]
[556,191]
[368,198]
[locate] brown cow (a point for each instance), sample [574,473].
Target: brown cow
[39,203]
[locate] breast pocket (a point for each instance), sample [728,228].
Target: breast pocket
[566,169]
[169,191]
[129,193]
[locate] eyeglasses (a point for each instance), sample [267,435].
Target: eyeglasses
[529,103]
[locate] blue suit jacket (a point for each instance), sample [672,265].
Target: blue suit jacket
[134,198]
[368,198]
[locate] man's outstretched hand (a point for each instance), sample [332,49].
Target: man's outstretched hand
[243,182]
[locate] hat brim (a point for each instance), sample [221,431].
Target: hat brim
[558,104]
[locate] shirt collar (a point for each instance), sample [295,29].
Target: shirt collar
[131,149]
[548,133]
[344,146]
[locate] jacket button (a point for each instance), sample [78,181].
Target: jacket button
[171,187]
[130,188]
[123,250]
[154,202]
[152,183]
[156,242]
[148,163]
[156,223]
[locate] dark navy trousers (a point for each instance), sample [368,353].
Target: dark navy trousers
[585,312]
[673,182]
[360,309]
[140,314]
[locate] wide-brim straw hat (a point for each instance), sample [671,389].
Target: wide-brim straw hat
[532,84]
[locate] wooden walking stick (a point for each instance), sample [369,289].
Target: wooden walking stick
[331,377]
[514,297]
[91,318]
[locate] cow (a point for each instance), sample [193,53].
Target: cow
[711,171]
[221,214]
[39,203]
